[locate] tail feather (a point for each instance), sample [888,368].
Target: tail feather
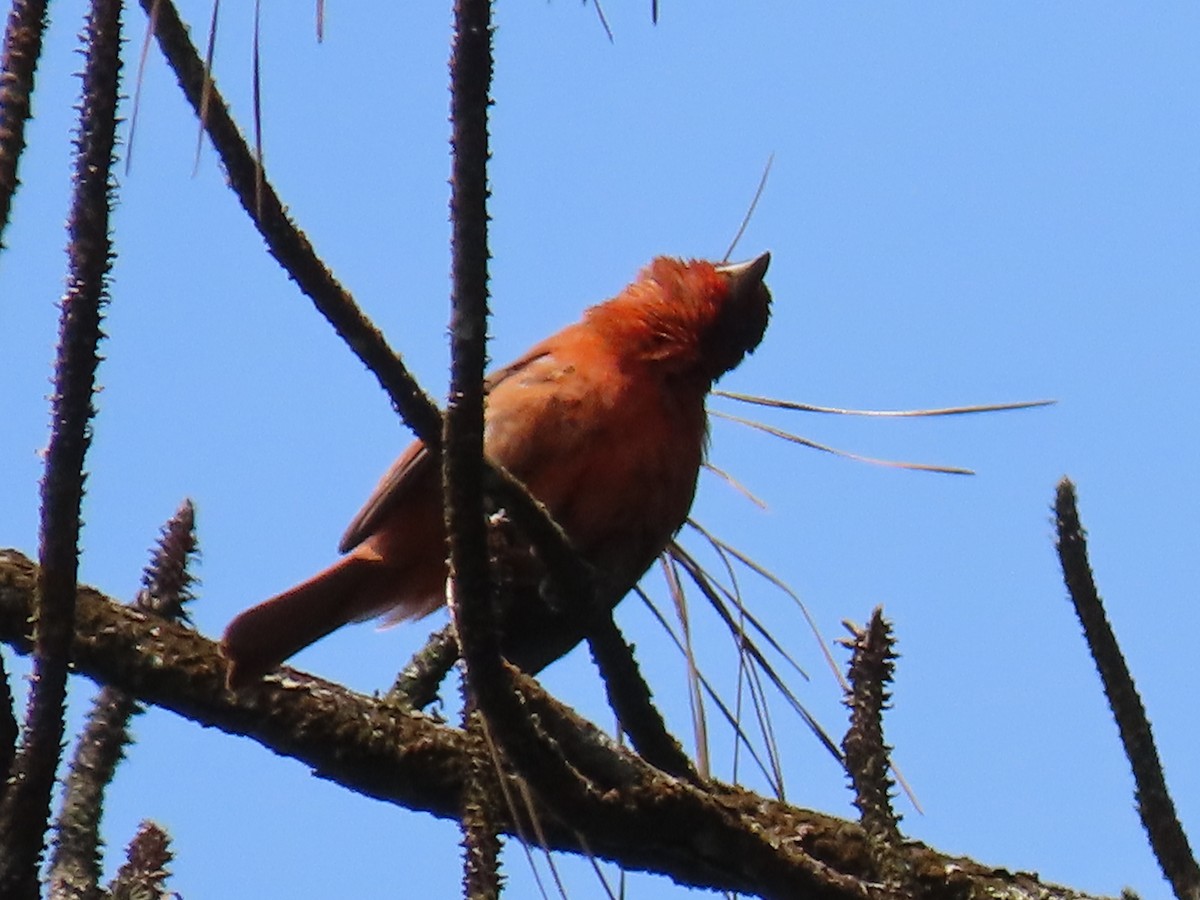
[262,637]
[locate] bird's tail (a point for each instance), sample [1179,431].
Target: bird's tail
[262,637]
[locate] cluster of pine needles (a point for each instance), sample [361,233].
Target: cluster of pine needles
[685,576]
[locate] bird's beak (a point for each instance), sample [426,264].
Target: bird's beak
[746,274]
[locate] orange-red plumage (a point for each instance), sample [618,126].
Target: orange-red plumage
[604,422]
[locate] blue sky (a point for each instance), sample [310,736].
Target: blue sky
[969,203]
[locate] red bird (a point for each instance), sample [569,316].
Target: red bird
[604,422]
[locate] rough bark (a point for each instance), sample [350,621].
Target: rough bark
[719,836]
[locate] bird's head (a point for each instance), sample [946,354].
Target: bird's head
[690,317]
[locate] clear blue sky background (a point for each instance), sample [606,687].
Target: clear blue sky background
[970,203]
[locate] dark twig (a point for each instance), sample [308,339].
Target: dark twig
[145,868]
[489,680]
[462,463]
[22,49]
[417,684]
[629,697]
[867,756]
[25,809]
[289,246]
[603,20]
[167,581]
[481,816]
[462,437]
[75,863]
[1167,838]
[539,758]
[9,729]
[256,80]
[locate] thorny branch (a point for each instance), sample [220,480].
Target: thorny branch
[868,758]
[534,753]
[75,864]
[722,837]
[1157,810]
[629,696]
[462,436]
[25,807]
[145,868]
[22,48]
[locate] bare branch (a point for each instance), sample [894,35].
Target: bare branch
[868,758]
[629,696]
[462,439]
[480,815]
[721,837]
[145,869]
[25,808]
[75,864]
[9,730]
[22,49]
[167,581]
[417,684]
[1167,838]
[462,463]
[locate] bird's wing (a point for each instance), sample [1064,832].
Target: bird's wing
[414,466]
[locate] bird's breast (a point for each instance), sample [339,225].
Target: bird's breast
[613,453]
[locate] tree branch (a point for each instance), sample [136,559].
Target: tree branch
[25,807]
[22,49]
[724,838]
[462,435]
[1157,810]
[75,864]
[868,758]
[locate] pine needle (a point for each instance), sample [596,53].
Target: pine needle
[762,186]
[143,56]
[206,92]
[736,485]
[696,573]
[695,700]
[882,413]
[732,720]
[753,565]
[825,448]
